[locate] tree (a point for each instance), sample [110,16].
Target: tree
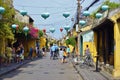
[71,41]
[5,25]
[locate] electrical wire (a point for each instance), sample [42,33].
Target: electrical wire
[41,6]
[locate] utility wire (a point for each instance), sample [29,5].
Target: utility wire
[55,12]
[43,6]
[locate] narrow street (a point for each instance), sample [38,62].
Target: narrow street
[44,69]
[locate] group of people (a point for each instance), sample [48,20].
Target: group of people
[59,53]
[13,54]
[39,52]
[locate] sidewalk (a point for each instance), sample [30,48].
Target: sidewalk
[11,67]
[91,74]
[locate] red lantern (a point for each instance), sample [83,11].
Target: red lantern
[61,29]
[44,30]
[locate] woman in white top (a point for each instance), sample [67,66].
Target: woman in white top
[61,54]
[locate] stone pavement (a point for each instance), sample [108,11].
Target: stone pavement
[85,73]
[89,73]
[11,67]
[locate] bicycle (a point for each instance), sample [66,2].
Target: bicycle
[86,61]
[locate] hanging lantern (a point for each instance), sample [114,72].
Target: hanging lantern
[67,28]
[45,15]
[86,13]
[105,7]
[23,12]
[82,22]
[2,10]
[14,26]
[52,30]
[44,30]
[98,15]
[61,29]
[26,29]
[66,14]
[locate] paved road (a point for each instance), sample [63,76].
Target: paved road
[44,69]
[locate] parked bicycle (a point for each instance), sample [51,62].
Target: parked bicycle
[86,61]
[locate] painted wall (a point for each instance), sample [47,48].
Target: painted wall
[42,42]
[116,71]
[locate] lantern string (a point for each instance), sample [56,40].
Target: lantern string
[44,6]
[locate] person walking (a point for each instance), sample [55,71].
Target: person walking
[64,56]
[68,51]
[61,55]
[30,53]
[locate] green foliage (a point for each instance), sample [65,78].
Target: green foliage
[7,20]
[20,27]
[112,6]
[40,33]
[71,41]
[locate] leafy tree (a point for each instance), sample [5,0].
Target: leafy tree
[71,41]
[112,6]
[40,33]
[5,24]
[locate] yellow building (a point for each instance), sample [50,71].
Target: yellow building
[107,41]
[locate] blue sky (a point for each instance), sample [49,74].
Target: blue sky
[56,8]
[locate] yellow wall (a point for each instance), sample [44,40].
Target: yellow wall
[27,45]
[116,71]
[91,47]
[42,42]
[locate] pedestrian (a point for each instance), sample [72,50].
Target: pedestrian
[61,55]
[68,51]
[9,54]
[53,48]
[21,52]
[30,55]
[64,56]
[73,52]
[18,59]
[44,51]
[51,51]
[87,52]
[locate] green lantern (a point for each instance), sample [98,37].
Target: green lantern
[23,12]
[45,15]
[98,15]
[52,30]
[86,13]
[66,14]
[2,10]
[105,7]
[82,22]
[67,28]
[14,26]
[26,29]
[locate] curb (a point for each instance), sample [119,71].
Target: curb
[13,68]
[77,70]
